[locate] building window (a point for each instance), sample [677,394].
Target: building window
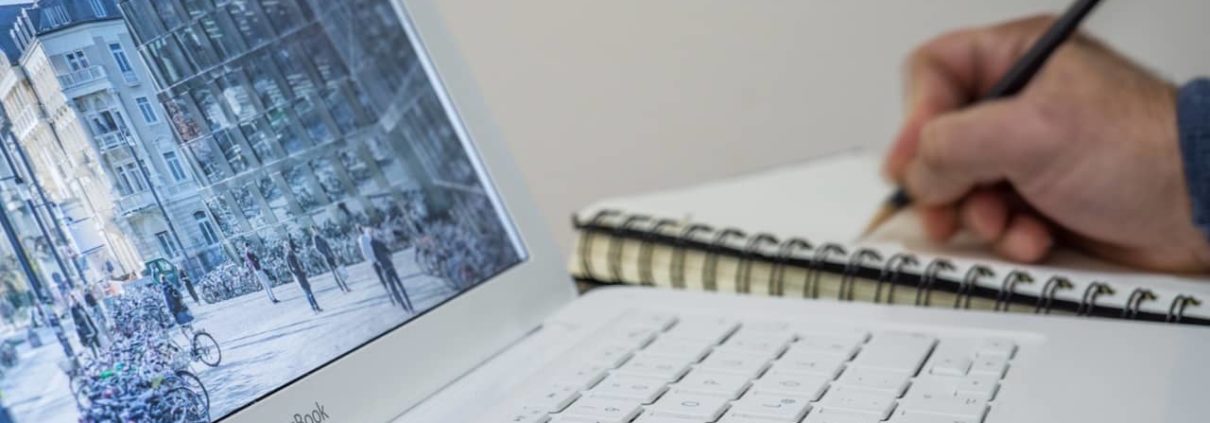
[174,166]
[106,121]
[130,179]
[207,229]
[166,244]
[119,56]
[147,109]
[77,60]
[97,8]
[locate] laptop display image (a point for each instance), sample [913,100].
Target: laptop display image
[218,197]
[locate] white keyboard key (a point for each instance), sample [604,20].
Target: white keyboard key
[632,337]
[528,415]
[553,398]
[874,403]
[649,418]
[823,364]
[655,320]
[603,409]
[581,377]
[748,365]
[573,419]
[984,387]
[769,345]
[767,327]
[776,407]
[957,406]
[732,418]
[889,382]
[711,329]
[690,350]
[996,347]
[950,366]
[690,406]
[842,345]
[908,416]
[837,416]
[793,384]
[608,355]
[896,351]
[990,366]
[642,389]
[655,367]
[702,381]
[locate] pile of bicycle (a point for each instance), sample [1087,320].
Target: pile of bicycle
[144,373]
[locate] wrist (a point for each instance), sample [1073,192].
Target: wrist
[1193,124]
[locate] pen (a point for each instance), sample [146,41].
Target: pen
[1011,84]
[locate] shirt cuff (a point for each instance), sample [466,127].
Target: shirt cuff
[1193,122]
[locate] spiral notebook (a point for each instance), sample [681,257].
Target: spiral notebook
[793,231]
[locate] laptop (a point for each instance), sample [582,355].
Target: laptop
[447,301]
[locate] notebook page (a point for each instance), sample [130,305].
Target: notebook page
[832,198]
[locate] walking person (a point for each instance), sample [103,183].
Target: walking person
[188,282]
[254,265]
[300,272]
[176,304]
[85,328]
[376,252]
[324,249]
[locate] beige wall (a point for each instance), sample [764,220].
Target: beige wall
[601,98]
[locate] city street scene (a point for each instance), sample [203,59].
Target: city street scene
[204,200]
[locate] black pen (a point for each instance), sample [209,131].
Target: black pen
[1011,84]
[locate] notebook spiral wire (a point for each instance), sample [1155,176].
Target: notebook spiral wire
[794,251]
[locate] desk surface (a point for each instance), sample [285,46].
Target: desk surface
[602,98]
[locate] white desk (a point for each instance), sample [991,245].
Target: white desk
[609,97]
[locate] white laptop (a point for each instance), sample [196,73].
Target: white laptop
[504,338]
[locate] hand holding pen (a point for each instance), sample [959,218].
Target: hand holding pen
[1087,154]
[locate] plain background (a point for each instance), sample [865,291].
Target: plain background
[610,97]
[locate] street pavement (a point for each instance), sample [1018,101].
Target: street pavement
[264,345]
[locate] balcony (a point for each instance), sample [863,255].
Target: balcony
[135,203]
[130,77]
[84,81]
[109,141]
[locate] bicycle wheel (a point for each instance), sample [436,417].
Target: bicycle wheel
[185,406]
[206,349]
[192,382]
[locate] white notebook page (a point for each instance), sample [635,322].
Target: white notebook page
[832,198]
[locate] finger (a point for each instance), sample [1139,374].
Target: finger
[1026,239]
[952,70]
[966,148]
[985,214]
[940,223]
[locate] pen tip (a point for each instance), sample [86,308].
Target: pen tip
[884,214]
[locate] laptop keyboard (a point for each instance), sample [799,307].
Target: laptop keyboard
[650,367]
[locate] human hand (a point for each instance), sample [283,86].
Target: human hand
[1087,153]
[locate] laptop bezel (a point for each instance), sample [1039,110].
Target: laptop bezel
[386,377]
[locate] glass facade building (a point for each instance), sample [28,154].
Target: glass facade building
[303,113]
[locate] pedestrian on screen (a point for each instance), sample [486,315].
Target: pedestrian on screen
[175,302]
[329,256]
[188,282]
[253,263]
[376,252]
[300,272]
[85,328]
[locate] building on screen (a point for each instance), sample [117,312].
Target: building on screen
[293,119]
[84,110]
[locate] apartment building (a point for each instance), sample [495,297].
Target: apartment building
[301,113]
[83,106]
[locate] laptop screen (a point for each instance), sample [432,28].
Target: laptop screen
[214,198]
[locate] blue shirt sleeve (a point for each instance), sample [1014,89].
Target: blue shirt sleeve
[1193,122]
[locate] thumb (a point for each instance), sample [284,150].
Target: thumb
[960,150]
